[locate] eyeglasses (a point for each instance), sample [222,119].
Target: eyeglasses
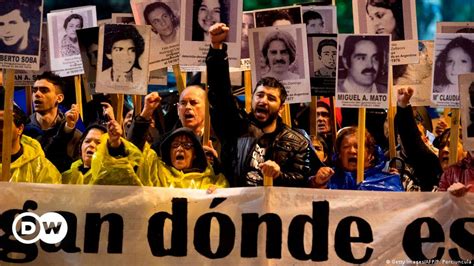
[185,145]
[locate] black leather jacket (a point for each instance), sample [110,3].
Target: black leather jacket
[239,135]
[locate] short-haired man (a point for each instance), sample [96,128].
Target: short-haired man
[314,22]
[54,130]
[327,53]
[123,46]
[363,58]
[279,51]
[257,144]
[163,21]
[19,27]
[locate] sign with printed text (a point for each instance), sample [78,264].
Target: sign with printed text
[122,225]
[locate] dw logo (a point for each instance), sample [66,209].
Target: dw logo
[50,228]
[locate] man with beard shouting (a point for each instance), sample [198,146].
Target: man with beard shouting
[257,144]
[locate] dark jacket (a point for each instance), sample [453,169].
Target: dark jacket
[238,134]
[58,145]
[424,162]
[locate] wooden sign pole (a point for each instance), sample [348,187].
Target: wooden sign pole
[313,128]
[77,86]
[137,104]
[7,124]
[332,116]
[248,90]
[286,115]
[29,100]
[361,146]
[180,78]
[454,136]
[391,117]
[87,91]
[120,101]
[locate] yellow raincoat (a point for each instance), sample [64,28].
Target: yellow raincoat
[108,170]
[32,166]
[169,176]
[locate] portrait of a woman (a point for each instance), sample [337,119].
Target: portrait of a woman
[205,14]
[69,44]
[455,59]
[385,17]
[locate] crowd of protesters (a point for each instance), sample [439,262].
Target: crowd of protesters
[244,148]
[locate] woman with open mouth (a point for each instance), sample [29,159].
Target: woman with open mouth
[183,163]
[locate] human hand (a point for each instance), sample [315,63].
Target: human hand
[404,96]
[218,33]
[108,110]
[152,101]
[211,189]
[210,152]
[72,116]
[115,132]
[459,189]
[270,168]
[322,177]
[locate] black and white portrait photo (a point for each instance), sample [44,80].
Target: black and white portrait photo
[363,68]
[248,22]
[280,52]
[163,17]
[197,16]
[322,63]
[123,55]
[89,48]
[319,19]
[466,86]
[394,17]
[278,16]
[454,56]
[455,27]
[63,43]
[20,32]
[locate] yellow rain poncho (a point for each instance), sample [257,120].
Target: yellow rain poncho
[201,176]
[109,170]
[32,166]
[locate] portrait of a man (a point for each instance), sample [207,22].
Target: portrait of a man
[314,22]
[327,54]
[164,23]
[247,23]
[89,46]
[123,46]
[364,60]
[20,24]
[279,52]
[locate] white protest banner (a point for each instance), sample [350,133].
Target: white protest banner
[120,225]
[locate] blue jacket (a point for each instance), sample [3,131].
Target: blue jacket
[374,178]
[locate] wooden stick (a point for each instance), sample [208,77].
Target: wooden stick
[137,104]
[391,117]
[313,127]
[87,92]
[120,100]
[77,86]
[180,82]
[286,116]
[9,80]
[454,136]
[267,181]
[332,117]
[207,122]
[248,90]
[29,100]
[361,146]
